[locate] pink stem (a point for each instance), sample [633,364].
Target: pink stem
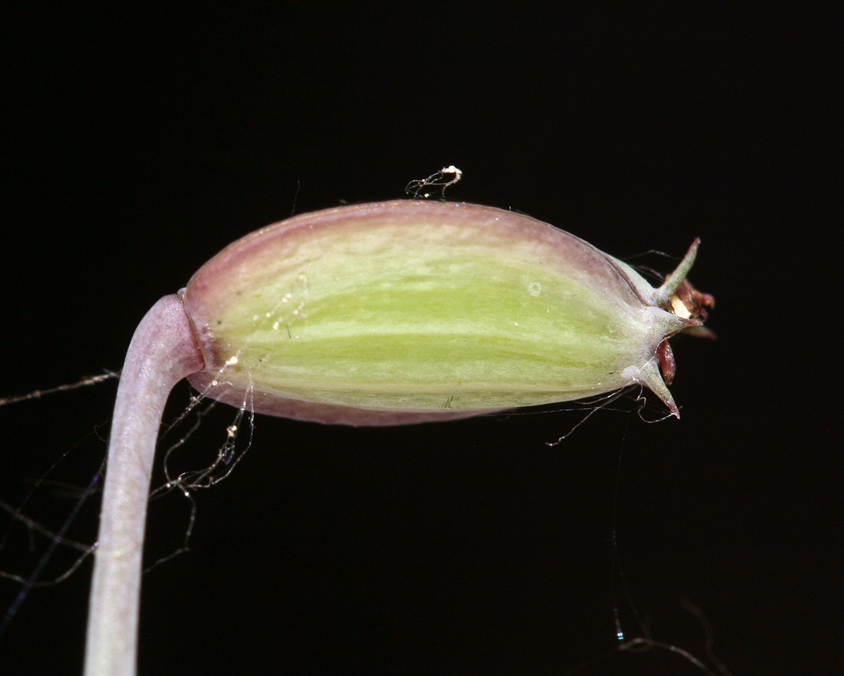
[162,352]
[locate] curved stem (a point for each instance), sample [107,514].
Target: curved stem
[162,352]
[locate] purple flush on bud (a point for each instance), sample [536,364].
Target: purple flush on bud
[405,311]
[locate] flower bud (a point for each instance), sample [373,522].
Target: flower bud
[407,311]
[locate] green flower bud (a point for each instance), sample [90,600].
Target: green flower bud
[407,311]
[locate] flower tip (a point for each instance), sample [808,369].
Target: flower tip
[676,278]
[650,376]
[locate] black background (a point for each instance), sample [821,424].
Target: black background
[136,145]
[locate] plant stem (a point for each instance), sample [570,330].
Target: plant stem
[162,352]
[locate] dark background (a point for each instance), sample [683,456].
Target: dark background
[135,146]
